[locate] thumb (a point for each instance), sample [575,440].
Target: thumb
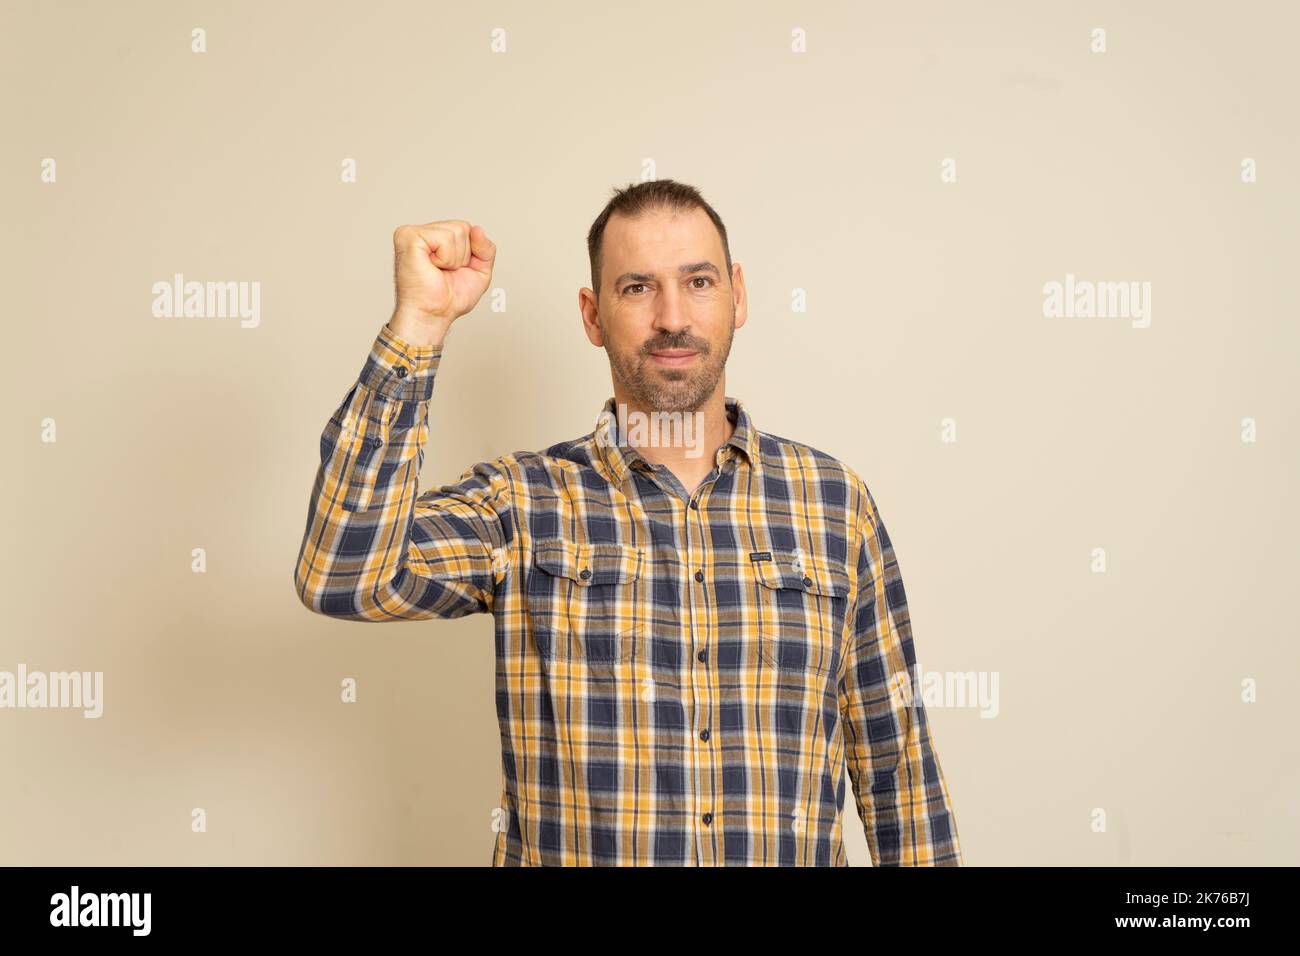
[483,251]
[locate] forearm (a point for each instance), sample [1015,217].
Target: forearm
[357,560]
[901,793]
[897,779]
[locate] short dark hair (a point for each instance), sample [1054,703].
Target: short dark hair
[648,196]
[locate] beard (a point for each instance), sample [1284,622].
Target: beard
[671,389]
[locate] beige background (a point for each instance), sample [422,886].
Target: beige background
[1119,691]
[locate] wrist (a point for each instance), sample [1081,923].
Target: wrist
[419,330]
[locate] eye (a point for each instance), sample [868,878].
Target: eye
[702,278]
[634,285]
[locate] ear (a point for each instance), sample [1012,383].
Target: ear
[590,317]
[739,295]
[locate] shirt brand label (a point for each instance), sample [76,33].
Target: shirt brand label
[760,555]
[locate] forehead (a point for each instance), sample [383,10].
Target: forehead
[660,238]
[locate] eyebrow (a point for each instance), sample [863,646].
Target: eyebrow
[681,271]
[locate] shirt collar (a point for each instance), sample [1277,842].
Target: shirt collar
[619,457]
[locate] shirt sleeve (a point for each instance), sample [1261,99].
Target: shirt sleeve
[897,781]
[373,548]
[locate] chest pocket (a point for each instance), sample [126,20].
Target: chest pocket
[583,600]
[803,601]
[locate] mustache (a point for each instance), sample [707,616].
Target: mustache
[676,342]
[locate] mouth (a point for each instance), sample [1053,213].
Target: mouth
[673,358]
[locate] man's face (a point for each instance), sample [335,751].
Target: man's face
[667,309]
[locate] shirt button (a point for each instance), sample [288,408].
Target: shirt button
[807,581]
[401,371]
[701,655]
[707,818]
[699,575]
[704,734]
[586,573]
[695,504]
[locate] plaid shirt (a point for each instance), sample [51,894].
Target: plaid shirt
[681,678]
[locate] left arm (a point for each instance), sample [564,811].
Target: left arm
[897,782]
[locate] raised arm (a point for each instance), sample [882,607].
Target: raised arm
[373,548]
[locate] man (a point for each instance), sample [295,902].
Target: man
[689,647]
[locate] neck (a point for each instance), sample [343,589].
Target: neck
[679,440]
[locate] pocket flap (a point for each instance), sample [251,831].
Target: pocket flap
[789,569]
[586,563]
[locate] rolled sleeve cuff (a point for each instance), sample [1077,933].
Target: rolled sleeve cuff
[398,370]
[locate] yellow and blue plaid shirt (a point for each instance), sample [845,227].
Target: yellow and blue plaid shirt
[681,677]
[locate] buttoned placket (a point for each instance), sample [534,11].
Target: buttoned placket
[698,569]
[703,806]
[702,690]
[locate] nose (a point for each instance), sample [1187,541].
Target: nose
[671,315]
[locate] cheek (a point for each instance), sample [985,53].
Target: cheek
[720,338]
[624,347]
